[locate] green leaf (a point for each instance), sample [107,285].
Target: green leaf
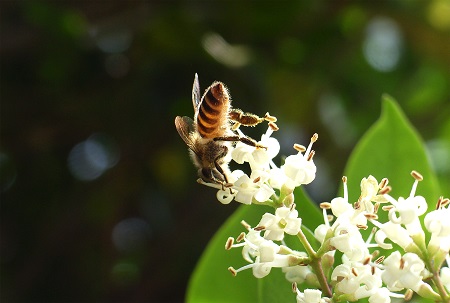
[392,148]
[212,282]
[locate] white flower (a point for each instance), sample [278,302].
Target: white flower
[349,240]
[403,272]
[445,277]
[394,232]
[300,168]
[247,190]
[258,158]
[356,279]
[437,223]
[297,273]
[310,296]
[285,220]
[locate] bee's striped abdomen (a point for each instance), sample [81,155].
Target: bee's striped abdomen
[213,111]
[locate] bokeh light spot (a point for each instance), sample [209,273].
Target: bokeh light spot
[223,52]
[112,40]
[439,14]
[383,44]
[131,235]
[89,159]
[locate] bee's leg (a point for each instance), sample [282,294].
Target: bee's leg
[246,140]
[219,168]
[248,119]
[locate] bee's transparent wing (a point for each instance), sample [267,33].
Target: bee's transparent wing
[196,93]
[185,126]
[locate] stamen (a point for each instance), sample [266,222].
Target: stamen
[294,287]
[257,179]
[409,294]
[344,180]
[246,225]
[259,228]
[270,118]
[376,207]
[387,207]
[371,216]
[273,126]
[354,272]
[383,183]
[380,260]
[240,237]
[292,207]
[416,175]
[229,243]
[311,155]
[362,226]
[325,205]
[375,252]
[385,190]
[330,218]
[235,271]
[372,270]
[232,271]
[445,202]
[315,137]
[300,148]
[402,263]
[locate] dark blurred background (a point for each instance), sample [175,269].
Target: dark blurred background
[98,196]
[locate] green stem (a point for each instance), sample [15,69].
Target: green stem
[316,264]
[437,282]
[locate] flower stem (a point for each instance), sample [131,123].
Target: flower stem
[316,264]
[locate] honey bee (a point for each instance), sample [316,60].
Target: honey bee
[212,134]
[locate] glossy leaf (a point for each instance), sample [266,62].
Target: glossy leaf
[392,148]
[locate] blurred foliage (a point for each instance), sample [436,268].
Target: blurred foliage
[87,82]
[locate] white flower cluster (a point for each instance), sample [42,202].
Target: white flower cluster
[361,272]
[358,275]
[266,179]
